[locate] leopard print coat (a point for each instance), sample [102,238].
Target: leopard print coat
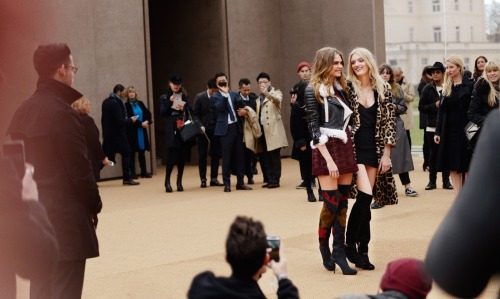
[385,127]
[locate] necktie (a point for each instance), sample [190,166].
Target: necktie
[231,111]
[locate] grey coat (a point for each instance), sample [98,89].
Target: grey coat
[401,154]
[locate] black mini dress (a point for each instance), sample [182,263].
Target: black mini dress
[364,139]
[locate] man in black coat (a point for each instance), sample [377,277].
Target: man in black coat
[205,112]
[54,140]
[114,121]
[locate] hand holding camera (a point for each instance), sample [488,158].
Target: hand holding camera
[223,86]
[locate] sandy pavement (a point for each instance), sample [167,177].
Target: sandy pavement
[152,243]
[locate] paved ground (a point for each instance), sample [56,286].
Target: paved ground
[153,243]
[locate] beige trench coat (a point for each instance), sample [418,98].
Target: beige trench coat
[270,118]
[409,91]
[251,129]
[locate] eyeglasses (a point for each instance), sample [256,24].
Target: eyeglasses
[263,82]
[72,67]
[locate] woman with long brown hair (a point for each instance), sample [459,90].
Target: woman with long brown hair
[333,160]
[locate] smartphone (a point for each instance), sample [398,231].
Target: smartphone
[273,242]
[14,150]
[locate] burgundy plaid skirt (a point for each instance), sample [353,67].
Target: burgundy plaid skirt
[342,154]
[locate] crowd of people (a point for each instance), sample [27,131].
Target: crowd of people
[350,131]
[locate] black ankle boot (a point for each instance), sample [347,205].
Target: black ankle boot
[339,258]
[168,187]
[352,254]
[310,196]
[326,255]
[364,262]
[179,185]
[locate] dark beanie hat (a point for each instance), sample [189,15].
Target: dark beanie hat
[176,79]
[408,276]
[303,64]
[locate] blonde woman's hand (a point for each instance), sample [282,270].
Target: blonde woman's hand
[385,164]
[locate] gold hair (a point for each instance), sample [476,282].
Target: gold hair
[322,66]
[448,81]
[377,82]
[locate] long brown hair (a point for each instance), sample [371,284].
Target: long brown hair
[394,86]
[322,67]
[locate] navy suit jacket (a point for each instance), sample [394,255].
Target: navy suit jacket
[222,107]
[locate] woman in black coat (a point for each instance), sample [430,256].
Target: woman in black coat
[137,134]
[95,152]
[175,113]
[454,154]
[485,97]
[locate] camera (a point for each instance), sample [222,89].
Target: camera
[293,90]
[273,242]
[222,84]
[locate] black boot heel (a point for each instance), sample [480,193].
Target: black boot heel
[339,258]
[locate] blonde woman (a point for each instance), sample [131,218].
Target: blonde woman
[374,136]
[95,152]
[137,134]
[333,160]
[485,97]
[454,154]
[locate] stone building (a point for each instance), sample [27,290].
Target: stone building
[143,42]
[420,32]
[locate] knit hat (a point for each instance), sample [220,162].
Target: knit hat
[407,276]
[303,64]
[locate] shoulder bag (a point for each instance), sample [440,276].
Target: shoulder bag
[190,129]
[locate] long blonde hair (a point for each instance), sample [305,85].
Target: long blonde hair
[448,81]
[488,67]
[322,67]
[376,81]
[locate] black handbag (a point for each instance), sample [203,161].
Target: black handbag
[190,130]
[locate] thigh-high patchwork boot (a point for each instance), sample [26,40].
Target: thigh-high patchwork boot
[325,225]
[338,231]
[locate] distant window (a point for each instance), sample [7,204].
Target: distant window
[466,62]
[471,33]
[436,5]
[470,6]
[410,7]
[457,33]
[437,34]
[424,61]
[456,5]
[393,62]
[411,34]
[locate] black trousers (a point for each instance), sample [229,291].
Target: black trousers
[305,164]
[65,283]
[249,166]
[126,171]
[433,153]
[142,163]
[274,165]
[211,148]
[232,154]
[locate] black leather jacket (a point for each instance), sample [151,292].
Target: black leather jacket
[316,114]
